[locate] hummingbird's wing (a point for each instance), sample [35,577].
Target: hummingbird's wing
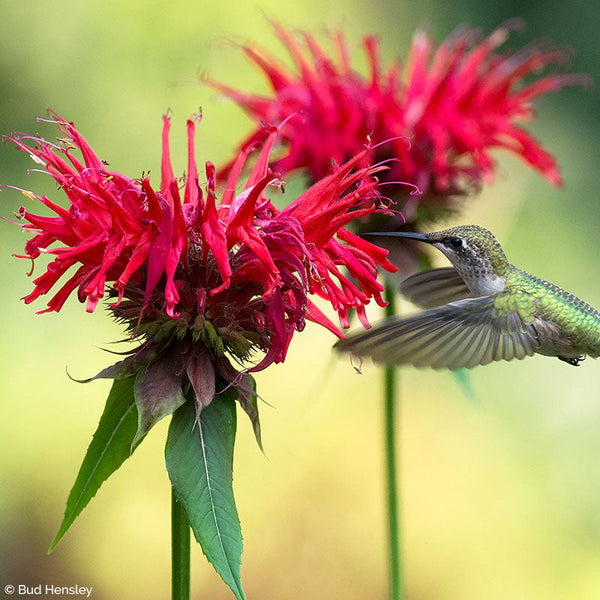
[435,287]
[458,335]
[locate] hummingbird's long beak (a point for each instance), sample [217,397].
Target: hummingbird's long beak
[410,235]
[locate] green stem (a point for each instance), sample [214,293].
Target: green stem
[180,551]
[396,580]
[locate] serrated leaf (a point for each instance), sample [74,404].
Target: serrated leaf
[110,446]
[199,457]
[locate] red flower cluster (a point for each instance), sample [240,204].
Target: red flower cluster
[437,119]
[234,274]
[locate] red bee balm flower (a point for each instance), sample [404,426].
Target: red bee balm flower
[437,119]
[233,275]
[199,284]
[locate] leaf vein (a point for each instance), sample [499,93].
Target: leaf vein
[212,502]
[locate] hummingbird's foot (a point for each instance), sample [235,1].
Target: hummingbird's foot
[572,361]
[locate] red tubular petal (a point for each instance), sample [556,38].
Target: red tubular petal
[166,169]
[191,185]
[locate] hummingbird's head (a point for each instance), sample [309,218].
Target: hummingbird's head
[476,254]
[473,251]
[470,247]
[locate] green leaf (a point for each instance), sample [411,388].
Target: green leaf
[463,379]
[110,446]
[199,457]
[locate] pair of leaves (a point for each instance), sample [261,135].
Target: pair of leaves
[199,457]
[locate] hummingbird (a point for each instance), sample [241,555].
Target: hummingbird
[482,309]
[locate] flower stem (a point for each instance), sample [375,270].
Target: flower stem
[396,580]
[180,551]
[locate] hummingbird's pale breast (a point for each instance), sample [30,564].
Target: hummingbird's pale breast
[478,275]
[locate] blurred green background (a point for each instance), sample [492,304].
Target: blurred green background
[500,498]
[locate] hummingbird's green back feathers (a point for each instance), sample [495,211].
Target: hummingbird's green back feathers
[567,326]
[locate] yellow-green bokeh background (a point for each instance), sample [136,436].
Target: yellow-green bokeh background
[500,498]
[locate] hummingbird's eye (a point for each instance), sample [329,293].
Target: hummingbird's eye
[454,242]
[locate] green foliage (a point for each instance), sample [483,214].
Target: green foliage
[111,445]
[199,450]
[199,457]
[463,379]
